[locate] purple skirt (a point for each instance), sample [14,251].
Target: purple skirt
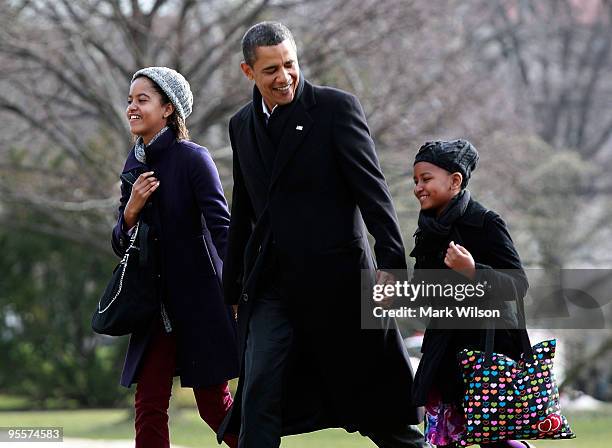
[444,422]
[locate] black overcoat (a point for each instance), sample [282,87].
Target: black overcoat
[485,235]
[192,225]
[325,183]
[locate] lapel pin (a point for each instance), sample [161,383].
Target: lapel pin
[299,128]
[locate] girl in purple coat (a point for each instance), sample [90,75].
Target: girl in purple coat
[194,336]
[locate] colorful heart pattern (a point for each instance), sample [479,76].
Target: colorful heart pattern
[509,400]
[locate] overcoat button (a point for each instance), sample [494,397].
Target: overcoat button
[245,297]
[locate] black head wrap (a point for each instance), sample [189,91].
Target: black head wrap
[454,156]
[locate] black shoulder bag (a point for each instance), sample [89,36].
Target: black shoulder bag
[131,299]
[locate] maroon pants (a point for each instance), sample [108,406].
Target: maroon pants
[153,396]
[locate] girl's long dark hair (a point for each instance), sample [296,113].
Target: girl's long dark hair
[175,122]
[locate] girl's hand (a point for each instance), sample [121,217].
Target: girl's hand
[142,189]
[459,259]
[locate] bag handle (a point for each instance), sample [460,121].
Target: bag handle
[527,350]
[123,265]
[522,327]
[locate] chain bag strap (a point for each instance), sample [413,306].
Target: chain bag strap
[123,266]
[131,299]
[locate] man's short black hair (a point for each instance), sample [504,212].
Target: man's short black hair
[264,34]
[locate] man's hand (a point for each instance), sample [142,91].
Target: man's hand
[385,278]
[460,260]
[235,308]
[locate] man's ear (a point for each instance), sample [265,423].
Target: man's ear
[247,70]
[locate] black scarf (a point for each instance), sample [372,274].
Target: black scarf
[433,236]
[441,225]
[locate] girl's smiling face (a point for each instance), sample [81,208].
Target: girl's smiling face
[145,111]
[434,187]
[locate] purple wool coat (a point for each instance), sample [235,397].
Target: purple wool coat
[194,221]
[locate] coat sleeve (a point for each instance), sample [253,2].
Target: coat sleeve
[360,167]
[241,227]
[119,237]
[504,275]
[210,198]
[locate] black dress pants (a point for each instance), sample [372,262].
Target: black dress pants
[269,340]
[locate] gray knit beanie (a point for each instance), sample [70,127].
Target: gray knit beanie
[173,84]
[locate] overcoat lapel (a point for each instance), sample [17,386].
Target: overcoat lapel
[257,175]
[297,127]
[299,123]
[262,140]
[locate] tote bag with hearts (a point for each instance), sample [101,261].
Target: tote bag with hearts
[508,399]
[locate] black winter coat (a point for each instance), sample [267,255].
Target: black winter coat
[485,235]
[325,183]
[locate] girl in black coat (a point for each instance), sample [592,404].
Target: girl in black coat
[194,336]
[457,233]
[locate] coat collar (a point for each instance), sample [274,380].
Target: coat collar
[159,146]
[474,215]
[153,152]
[297,126]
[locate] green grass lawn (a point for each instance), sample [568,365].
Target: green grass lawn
[594,430]
[185,425]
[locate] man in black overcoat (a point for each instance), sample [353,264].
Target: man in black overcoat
[306,179]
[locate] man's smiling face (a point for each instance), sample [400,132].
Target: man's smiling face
[276,73]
